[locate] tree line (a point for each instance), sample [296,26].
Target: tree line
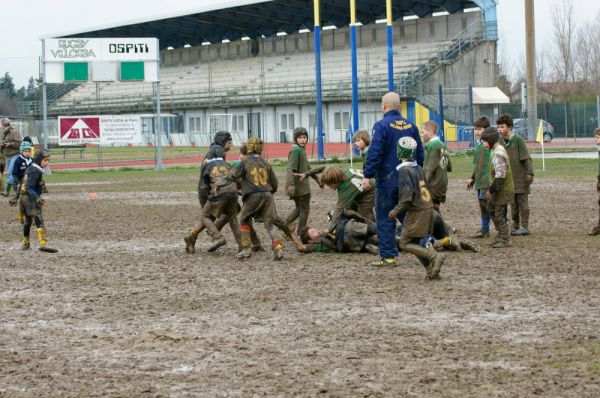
[10,96]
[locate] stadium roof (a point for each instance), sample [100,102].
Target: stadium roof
[257,18]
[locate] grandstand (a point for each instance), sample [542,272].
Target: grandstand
[265,86]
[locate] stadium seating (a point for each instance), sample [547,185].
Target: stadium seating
[287,76]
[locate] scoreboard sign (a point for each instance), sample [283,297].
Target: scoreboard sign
[105,49]
[105,59]
[103,130]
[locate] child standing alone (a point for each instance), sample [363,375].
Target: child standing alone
[298,188]
[31,202]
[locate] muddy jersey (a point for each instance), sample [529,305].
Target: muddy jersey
[256,175]
[481,171]
[350,191]
[436,167]
[520,162]
[298,163]
[215,174]
[413,194]
[500,167]
[415,199]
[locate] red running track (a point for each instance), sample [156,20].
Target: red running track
[270,151]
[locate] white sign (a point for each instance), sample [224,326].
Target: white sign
[105,49]
[111,130]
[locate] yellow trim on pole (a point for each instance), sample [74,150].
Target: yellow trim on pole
[353,12]
[317,13]
[388,11]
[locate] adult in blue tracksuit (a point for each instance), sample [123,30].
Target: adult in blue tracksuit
[381,165]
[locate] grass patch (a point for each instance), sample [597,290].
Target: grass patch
[583,169]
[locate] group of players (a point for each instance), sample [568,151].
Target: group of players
[405,185]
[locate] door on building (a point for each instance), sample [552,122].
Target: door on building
[254,125]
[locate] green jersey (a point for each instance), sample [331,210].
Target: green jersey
[436,167]
[297,163]
[481,171]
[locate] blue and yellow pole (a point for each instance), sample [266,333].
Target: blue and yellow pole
[355,125]
[390,40]
[319,94]
[441,98]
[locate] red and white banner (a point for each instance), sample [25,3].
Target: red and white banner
[100,130]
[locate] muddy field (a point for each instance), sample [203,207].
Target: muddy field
[122,310]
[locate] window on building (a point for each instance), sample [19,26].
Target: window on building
[237,124]
[341,120]
[195,124]
[287,122]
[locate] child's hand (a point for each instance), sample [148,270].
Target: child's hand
[393,214]
[291,191]
[529,178]
[488,195]
[470,185]
[40,202]
[302,176]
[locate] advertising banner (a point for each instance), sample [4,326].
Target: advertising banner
[106,130]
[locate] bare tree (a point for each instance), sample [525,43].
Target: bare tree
[562,56]
[587,55]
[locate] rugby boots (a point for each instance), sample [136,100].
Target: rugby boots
[245,242]
[277,250]
[480,235]
[466,245]
[216,244]
[41,233]
[26,245]
[384,262]
[435,266]
[190,243]
[500,243]
[6,190]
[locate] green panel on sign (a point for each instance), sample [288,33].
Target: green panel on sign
[77,71]
[132,71]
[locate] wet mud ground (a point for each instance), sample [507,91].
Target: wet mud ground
[122,310]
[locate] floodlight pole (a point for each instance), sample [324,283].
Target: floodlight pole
[390,42]
[531,74]
[158,163]
[319,110]
[355,114]
[44,98]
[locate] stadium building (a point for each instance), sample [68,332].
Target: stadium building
[250,68]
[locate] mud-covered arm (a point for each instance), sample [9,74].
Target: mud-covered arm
[432,162]
[273,179]
[405,195]
[357,216]
[292,167]
[500,167]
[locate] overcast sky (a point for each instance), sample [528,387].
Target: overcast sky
[24,22]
